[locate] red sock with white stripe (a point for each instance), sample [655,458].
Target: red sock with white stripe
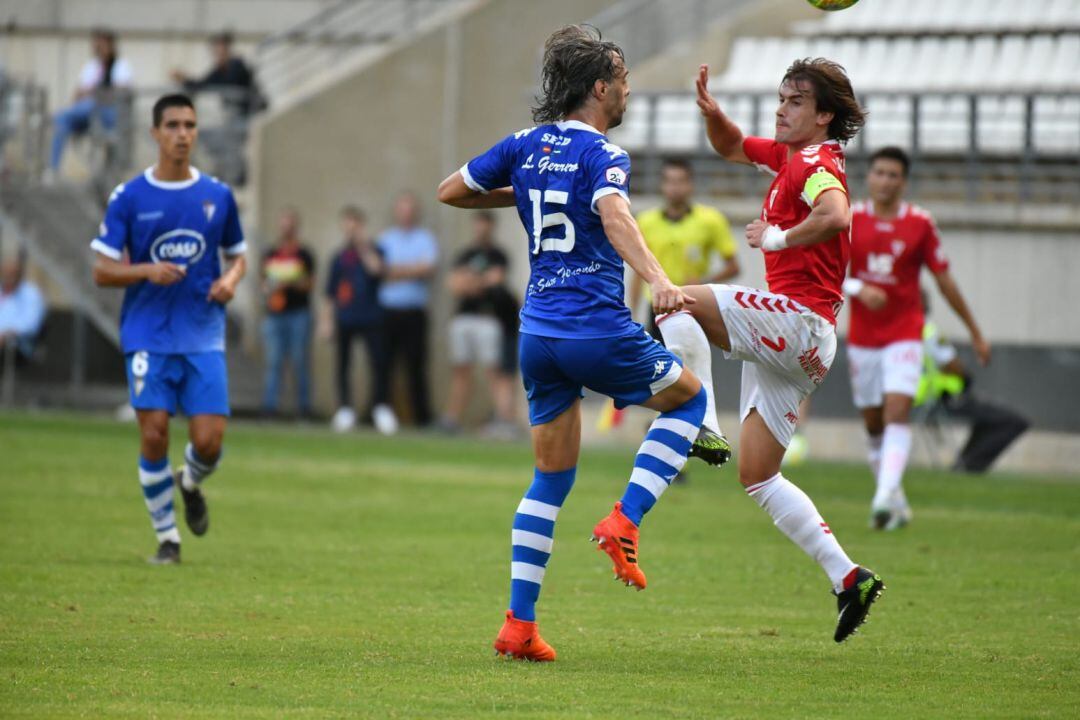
[794,513]
[895,449]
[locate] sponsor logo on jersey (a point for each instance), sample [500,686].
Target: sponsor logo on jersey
[611,149]
[144,216]
[183,247]
[812,365]
[616,175]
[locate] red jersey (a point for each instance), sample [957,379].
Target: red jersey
[809,274]
[889,254]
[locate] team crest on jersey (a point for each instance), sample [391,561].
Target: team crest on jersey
[185,247]
[898,247]
[208,209]
[616,175]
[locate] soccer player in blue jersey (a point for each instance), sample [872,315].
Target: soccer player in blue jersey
[173,223]
[569,185]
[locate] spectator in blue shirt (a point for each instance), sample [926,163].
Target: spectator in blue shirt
[352,311]
[22,310]
[410,253]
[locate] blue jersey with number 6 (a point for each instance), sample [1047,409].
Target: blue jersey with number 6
[558,173]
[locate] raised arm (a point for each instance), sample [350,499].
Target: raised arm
[724,135]
[625,236]
[453,191]
[951,291]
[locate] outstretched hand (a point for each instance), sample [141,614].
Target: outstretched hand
[667,297]
[705,101]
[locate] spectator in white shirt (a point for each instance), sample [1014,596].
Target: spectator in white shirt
[22,309]
[99,76]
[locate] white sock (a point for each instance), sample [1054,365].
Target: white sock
[895,448]
[685,339]
[794,513]
[873,454]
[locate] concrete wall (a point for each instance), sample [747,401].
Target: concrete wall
[406,121]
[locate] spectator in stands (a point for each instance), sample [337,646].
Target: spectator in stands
[478,282]
[100,78]
[410,253]
[287,273]
[692,242]
[229,73]
[352,311]
[22,310]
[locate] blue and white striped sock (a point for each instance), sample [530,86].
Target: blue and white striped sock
[534,528]
[662,455]
[197,468]
[156,479]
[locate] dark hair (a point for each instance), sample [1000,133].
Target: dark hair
[225,37]
[169,101]
[105,34]
[891,152]
[679,164]
[574,59]
[353,213]
[832,93]
[485,215]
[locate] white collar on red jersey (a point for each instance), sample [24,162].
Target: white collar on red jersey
[900,214]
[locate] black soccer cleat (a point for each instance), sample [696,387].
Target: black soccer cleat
[195,513]
[168,553]
[854,603]
[711,447]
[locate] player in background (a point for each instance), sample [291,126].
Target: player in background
[891,241]
[786,337]
[173,222]
[569,184]
[687,238]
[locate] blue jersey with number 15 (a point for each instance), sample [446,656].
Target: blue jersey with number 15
[558,173]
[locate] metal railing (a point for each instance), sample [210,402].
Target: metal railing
[965,146]
[290,59]
[645,28]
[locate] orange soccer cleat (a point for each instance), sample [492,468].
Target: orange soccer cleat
[520,639]
[618,537]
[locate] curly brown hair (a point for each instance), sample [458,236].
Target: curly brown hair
[575,57]
[832,93]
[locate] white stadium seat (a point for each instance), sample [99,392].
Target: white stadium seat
[889,121]
[1001,124]
[943,123]
[678,123]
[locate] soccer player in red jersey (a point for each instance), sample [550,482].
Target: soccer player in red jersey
[785,337]
[891,241]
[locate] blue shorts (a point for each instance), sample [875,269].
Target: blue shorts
[197,383]
[629,369]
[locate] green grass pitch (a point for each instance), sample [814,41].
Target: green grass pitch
[366,577]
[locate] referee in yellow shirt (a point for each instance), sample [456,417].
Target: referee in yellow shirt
[685,237]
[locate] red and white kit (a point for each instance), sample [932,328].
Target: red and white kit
[787,336]
[885,346]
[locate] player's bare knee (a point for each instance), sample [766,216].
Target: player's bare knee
[154,441]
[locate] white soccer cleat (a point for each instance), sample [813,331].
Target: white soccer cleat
[344,420]
[385,420]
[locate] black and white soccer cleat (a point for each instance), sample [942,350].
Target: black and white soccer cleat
[168,553]
[195,513]
[854,602]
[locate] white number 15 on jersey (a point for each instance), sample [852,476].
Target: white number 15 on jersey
[541,221]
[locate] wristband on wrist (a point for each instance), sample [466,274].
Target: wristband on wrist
[774,239]
[853,286]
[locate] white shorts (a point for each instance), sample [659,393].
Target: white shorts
[875,372]
[786,350]
[475,339]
